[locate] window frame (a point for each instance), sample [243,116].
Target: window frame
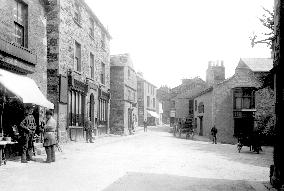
[77,13]
[92,65]
[24,24]
[102,74]
[78,65]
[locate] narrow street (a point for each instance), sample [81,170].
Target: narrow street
[146,161]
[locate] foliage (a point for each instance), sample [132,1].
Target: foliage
[266,128]
[267,20]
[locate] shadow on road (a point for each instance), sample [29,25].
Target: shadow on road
[153,182]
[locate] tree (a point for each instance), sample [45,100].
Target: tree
[266,37]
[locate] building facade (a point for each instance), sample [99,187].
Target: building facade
[23,51]
[78,67]
[231,104]
[181,103]
[163,94]
[146,95]
[123,88]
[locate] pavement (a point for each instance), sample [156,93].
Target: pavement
[146,161]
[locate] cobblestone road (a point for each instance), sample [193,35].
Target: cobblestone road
[144,162]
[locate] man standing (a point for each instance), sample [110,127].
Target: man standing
[27,130]
[49,137]
[214,134]
[89,130]
[145,125]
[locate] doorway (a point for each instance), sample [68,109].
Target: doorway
[201,125]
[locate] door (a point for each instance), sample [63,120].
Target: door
[201,126]
[130,118]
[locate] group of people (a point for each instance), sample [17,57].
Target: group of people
[27,130]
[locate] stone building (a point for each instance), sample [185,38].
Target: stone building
[23,50]
[180,104]
[231,104]
[78,67]
[146,95]
[163,94]
[123,88]
[23,39]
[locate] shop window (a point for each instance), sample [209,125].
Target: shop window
[244,98]
[75,108]
[92,66]
[102,111]
[20,10]
[77,62]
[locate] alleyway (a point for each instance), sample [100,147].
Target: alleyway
[144,162]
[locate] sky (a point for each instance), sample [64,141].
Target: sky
[169,40]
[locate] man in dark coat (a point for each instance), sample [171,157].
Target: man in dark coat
[145,125]
[214,134]
[89,130]
[26,131]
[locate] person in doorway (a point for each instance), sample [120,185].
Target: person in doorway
[145,125]
[214,134]
[26,131]
[89,127]
[49,137]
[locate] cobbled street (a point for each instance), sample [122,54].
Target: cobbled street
[154,160]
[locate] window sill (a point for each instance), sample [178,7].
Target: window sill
[78,23]
[92,37]
[77,72]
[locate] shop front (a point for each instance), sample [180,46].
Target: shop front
[103,111]
[16,91]
[77,92]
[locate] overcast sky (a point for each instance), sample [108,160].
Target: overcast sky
[169,40]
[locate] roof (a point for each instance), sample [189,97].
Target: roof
[192,93]
[257,64]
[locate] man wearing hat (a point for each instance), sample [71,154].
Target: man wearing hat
[49,137]
[27,129]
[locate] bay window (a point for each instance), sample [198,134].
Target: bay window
[244,98]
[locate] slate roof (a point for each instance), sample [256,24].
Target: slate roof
[190,94]
[257,64]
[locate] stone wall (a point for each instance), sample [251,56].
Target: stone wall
[62,32]
[206,99]
[36,39]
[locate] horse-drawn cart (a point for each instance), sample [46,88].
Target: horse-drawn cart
[250,140]
[184,128]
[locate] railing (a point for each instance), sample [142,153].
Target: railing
[17,51]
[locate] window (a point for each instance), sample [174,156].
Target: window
[102,111]
[103,45]
[129,95]
[92,66]
[154,102]
[148,101]
[195,105]
[77,13]
[77,63]
[148,88]
[20,23]
[129,73]
[244,98]
[75,108]
[92,28]
[103,68]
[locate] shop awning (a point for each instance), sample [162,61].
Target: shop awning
[153,114]
[25,88]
